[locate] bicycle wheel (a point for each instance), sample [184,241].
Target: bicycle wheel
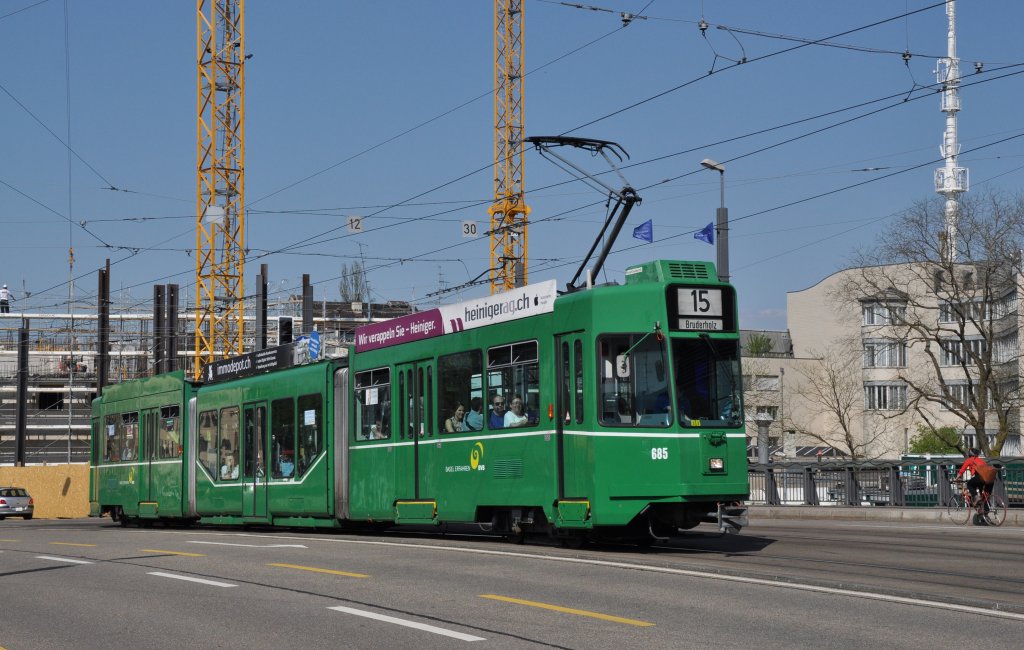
[958,510]
[996,514]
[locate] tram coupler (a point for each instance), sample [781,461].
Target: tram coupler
[731,518]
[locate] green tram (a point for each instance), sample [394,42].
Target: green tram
[612,412]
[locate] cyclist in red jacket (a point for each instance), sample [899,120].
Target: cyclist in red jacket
[983,475]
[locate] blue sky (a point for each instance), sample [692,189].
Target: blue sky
[357,106]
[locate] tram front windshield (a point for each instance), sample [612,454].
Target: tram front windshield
[707,382]
[640,389]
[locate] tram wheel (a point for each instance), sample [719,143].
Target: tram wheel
[517,536]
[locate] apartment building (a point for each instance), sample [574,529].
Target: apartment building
[878,352]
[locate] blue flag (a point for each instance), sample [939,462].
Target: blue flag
[707,233]
[645,231]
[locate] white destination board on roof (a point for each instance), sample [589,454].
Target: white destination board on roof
[698,301]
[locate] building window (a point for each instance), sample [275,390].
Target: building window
[947,312]
[1011,445]
[885,397]
[977,310]
[1004,349]
[955,351]
[885,353]
[958,393]
[761,382]
[883,313]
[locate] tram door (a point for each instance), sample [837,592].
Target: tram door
[148,485]
[414,424]
[254,479]
[573,476]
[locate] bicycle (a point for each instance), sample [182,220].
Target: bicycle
[961,507]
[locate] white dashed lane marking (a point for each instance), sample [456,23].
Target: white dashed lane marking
[433,629]
[212,583]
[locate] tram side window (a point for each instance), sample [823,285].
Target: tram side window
[460,384]
[229,434]
[130,435]
[208,441]
[170,431]
[373,404]
[282,438]
[634,387]
[112,451]
[310,430]
[513,375]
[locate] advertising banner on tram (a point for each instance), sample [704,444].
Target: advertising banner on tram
[511,305]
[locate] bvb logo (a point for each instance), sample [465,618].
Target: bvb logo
[476,455]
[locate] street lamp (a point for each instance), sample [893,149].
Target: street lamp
[764,422]
[721,224]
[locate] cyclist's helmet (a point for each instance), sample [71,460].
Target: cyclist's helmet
[974,452]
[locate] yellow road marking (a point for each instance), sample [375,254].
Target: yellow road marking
[7,540]
[70,544]
[316,570]
[156,550]
[569,610]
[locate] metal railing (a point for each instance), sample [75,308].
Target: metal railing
[902,484]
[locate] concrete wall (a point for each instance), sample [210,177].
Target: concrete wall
[59,491]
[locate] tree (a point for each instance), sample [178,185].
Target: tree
[944,440]
[759,345]
[353,286]
[833,413]
[956,313]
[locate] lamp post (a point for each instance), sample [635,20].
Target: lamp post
[764,423]
[721,224]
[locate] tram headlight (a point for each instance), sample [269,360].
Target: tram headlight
[716,464]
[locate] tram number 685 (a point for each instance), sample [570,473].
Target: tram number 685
[659,453]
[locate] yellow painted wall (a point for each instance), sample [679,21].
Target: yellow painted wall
[59,491]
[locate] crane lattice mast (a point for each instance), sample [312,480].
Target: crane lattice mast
[509,211]
[220,180]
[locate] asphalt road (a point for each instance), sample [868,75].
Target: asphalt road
[822,584]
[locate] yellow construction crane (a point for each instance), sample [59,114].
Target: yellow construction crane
[509,211]
[220,180]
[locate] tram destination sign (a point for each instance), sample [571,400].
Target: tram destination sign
[701,309]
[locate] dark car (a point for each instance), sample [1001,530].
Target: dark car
[15,502]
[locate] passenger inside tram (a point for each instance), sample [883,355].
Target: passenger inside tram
[287,466]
